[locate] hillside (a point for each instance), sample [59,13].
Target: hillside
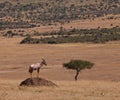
[69,1]
[29,13]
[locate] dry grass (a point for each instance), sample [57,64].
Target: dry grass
[67,90]
[94,84]
[16,58]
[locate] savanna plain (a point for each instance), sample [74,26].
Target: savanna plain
[99,83]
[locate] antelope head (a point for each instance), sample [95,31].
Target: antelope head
[44,62]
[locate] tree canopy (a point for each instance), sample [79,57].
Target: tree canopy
[78,65]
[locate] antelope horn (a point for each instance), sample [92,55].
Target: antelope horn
[43,59]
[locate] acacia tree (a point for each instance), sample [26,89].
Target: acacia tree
[78,65]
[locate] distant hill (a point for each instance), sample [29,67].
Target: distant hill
[69,1]
[28,13]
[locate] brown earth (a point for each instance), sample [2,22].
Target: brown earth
[16,58]
[36,82]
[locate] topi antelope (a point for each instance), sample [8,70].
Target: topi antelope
[37,67]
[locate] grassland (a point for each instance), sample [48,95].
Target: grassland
[102,82]
[16,58]
[102,22]
[81,90]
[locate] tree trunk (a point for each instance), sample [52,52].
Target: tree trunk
[77,73]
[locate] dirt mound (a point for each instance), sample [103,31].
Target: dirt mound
[36,82]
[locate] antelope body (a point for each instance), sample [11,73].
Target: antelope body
[37,67]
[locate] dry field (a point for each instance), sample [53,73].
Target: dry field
[99,83]
[81,90]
